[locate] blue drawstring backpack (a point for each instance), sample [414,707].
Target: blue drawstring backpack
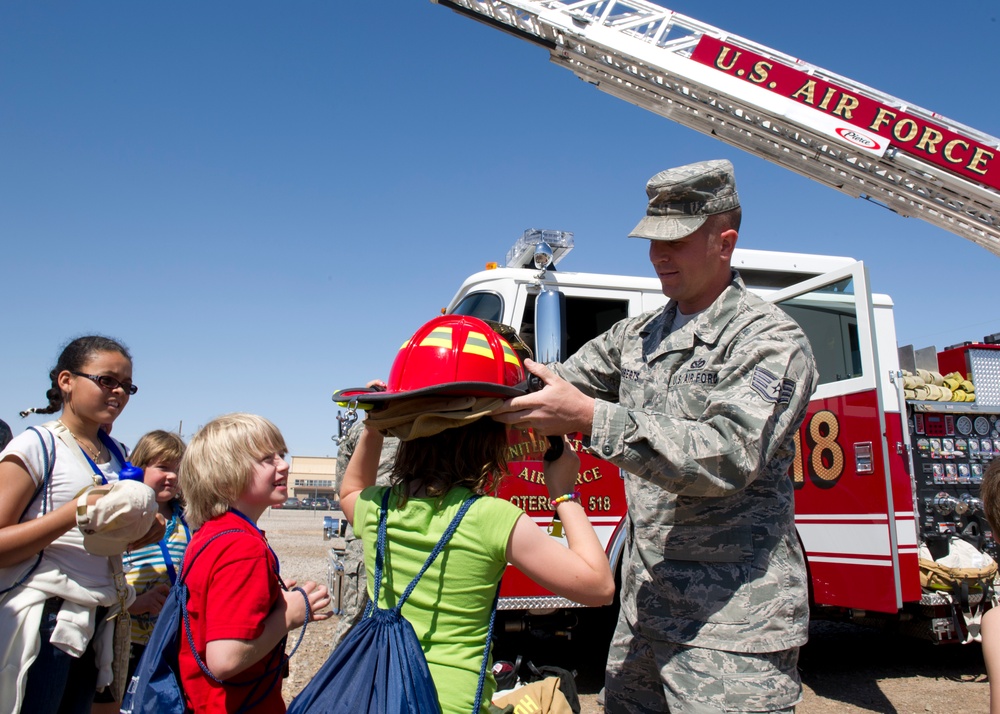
[380,668]
[155,687]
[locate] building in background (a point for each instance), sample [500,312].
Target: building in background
[312,477]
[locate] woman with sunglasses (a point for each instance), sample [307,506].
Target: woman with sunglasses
[55,596]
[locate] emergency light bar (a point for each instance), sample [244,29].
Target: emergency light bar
[521,254]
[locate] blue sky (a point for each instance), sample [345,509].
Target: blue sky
[263,200]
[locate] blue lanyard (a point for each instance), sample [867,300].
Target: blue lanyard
[112,449]
[277,565]
[167,560]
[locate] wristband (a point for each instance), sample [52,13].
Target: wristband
[575,496]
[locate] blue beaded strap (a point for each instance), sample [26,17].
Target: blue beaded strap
[185,571]
[448,533]
[279,653]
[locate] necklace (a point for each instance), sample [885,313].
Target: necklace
[96,456]
[85,445]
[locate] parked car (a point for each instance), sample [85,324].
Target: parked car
[320,504]
[293,503]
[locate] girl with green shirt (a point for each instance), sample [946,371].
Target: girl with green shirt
[450,449]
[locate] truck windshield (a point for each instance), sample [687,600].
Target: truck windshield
[485,306]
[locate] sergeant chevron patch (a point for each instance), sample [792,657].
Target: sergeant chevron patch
[771,387]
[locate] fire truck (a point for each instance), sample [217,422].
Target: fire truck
[880,479]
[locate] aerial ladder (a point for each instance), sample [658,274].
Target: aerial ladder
[821,125]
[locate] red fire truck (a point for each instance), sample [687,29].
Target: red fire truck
[869,486]
[877,478]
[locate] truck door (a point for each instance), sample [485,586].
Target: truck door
[588,312]
[842,471]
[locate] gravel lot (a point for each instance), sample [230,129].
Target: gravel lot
[297,538]
[845,669]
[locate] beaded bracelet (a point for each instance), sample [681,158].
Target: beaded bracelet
[575,496]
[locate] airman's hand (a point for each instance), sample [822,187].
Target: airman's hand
[558,408]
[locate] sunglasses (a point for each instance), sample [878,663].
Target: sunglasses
[109,383]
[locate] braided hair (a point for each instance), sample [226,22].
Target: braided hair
[72,359]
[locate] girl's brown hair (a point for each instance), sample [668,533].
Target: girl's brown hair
[473,456]
[157,447]
[72,359]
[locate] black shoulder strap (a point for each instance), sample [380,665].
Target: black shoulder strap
[48,464]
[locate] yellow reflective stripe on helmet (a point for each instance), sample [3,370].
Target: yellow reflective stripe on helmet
[509,355]
[438,337]
[476,343]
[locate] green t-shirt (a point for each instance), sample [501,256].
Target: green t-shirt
[450,607]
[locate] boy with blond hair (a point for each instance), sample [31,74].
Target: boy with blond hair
[239,608]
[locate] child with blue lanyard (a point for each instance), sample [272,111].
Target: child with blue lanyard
[58,600]
[240,610]
[153,569]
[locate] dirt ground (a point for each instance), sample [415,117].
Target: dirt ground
[845,669]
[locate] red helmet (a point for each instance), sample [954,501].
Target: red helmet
[452,355]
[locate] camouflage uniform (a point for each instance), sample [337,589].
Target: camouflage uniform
[702,422]
[354,594]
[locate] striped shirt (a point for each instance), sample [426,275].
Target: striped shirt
[147,567]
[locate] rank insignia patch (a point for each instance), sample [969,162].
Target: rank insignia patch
[772,387]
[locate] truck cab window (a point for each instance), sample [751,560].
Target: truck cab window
[585,319]
[829,318]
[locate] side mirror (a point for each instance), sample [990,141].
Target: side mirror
[550,337]
[550,345]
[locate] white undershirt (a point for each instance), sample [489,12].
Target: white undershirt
[680,319]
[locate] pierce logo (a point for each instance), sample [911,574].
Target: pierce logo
[858,138]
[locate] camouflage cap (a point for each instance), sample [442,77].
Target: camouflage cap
[681,199]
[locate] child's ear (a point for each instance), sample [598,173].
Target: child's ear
[63,380]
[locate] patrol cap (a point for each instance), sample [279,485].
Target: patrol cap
[682,199]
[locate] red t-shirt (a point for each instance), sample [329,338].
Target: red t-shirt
[232,588]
